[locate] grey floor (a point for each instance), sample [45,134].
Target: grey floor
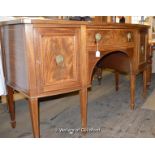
[109,114]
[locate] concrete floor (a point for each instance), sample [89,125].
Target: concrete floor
[109,114]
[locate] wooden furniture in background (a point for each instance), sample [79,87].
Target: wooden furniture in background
[109,19]
[17,96]
[150,61]
[151,22]
[47,57]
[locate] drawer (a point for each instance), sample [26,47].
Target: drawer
[111,37]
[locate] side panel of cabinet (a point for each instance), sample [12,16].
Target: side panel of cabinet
[15,60]
[58,58]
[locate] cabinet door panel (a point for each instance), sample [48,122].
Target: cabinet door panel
[58,58]
[142,48]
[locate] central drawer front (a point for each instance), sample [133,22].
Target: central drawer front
[58,58]
[111,37]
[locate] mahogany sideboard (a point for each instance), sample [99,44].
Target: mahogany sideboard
[49,57]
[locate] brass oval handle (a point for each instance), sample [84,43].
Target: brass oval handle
[129,36]
[98,37]
[59,59]
[142,49]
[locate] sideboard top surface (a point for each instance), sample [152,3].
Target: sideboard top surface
[70,22]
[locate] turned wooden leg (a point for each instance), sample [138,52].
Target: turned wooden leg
[11,106]
[34,111]
[132,91]
[149,66]
[144,82]
[84,100]
[99,75]
[149,74]
[116,80]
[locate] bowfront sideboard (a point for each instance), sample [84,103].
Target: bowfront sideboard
[47,57]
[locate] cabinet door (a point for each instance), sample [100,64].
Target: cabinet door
[143,47]
[58,58]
